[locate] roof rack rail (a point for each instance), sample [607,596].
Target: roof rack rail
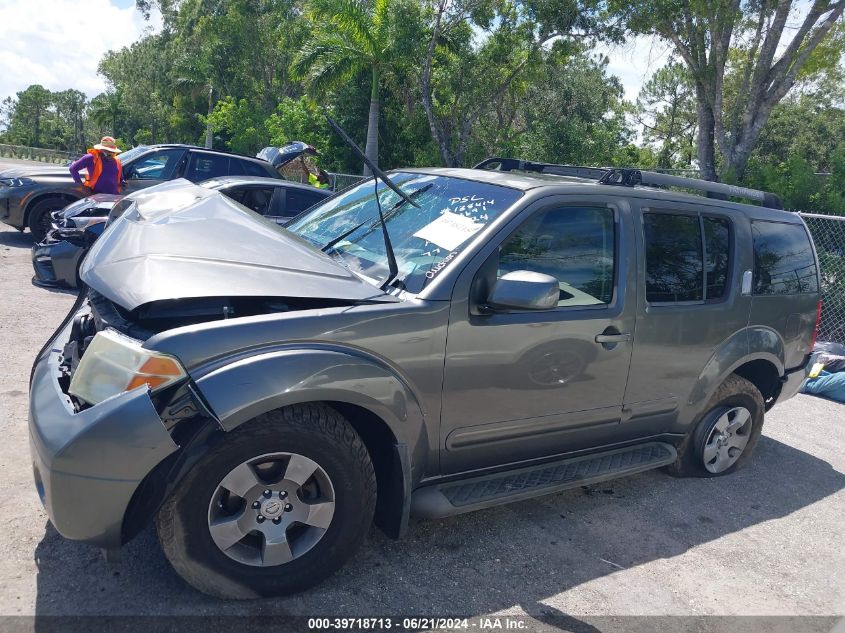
[628,177]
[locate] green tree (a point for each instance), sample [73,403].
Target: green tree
[770,58]
[478,53]
[666,110]
[107,110]
[31,116]
[351,35]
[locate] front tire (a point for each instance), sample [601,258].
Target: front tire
[225,535]
[39,220]
[725,435]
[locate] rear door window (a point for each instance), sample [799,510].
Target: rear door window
[298,200]
[717,243]
[204,166]
[257,198]
[673,256]
[160,165]
[783,259]
[687,257]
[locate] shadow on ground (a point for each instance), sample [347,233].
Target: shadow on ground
[475,564]
[16,239]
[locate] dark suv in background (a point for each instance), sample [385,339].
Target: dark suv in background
[29,195]
[490,335]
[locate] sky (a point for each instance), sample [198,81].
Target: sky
[58,44]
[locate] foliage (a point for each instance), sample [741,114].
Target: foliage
[667,111]
[744,57]
[428,82]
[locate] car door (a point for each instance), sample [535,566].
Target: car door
[524,385]
[690,271]
[153,168]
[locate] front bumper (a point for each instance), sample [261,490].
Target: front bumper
[87,465]
[57,263]
[12,205]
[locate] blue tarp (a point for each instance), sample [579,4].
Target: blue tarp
[827,385]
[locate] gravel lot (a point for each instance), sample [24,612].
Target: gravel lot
[766,541]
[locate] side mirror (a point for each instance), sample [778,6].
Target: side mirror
[524,290]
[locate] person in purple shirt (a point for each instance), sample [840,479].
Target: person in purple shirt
[105,173]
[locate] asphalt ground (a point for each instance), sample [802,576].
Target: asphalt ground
[766,541]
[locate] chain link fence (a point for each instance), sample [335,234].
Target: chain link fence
[336,181]
[828,233]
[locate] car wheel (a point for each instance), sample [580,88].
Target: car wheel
[39,220]
[280,504]
[725,435]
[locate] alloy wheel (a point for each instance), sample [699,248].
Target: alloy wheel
[271,509]
[727,439]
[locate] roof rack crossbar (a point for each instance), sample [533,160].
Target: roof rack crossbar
[631,177]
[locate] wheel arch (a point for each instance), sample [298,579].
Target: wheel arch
[64,195]
[196,437]
[755,353]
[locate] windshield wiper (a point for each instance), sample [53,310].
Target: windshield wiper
[378,174]
[398,204]
[342,236]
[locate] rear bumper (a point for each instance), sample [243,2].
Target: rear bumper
[793,379]
[87,465]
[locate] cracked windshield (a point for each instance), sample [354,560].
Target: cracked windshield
[424,239]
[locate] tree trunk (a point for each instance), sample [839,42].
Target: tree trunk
[209,135]
[437,133]
[371,149]
[706,141]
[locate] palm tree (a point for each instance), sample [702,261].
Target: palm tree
[352,36]
[106,108]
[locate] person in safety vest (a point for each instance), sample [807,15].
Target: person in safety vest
[105,174]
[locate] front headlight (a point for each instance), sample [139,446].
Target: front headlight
[114,363]
[16,182]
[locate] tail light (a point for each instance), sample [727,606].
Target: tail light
[818,324]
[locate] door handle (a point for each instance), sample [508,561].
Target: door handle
[613,338]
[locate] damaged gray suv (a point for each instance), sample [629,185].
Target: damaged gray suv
[490,335]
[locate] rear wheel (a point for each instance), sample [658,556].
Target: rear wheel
[726,434]
[277,507]
[40,220]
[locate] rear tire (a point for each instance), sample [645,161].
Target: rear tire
[725,435]
[343,476]
[39,220]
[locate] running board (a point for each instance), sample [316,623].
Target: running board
[456,497]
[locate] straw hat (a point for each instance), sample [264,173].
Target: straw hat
[108,144]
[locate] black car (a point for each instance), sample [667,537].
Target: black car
[56,260]
[29,195]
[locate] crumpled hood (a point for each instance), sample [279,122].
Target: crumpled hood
[179,241]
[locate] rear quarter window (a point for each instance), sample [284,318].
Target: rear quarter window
[783,259]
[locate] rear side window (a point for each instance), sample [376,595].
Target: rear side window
[687,257]
[248,168]
[783,259]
